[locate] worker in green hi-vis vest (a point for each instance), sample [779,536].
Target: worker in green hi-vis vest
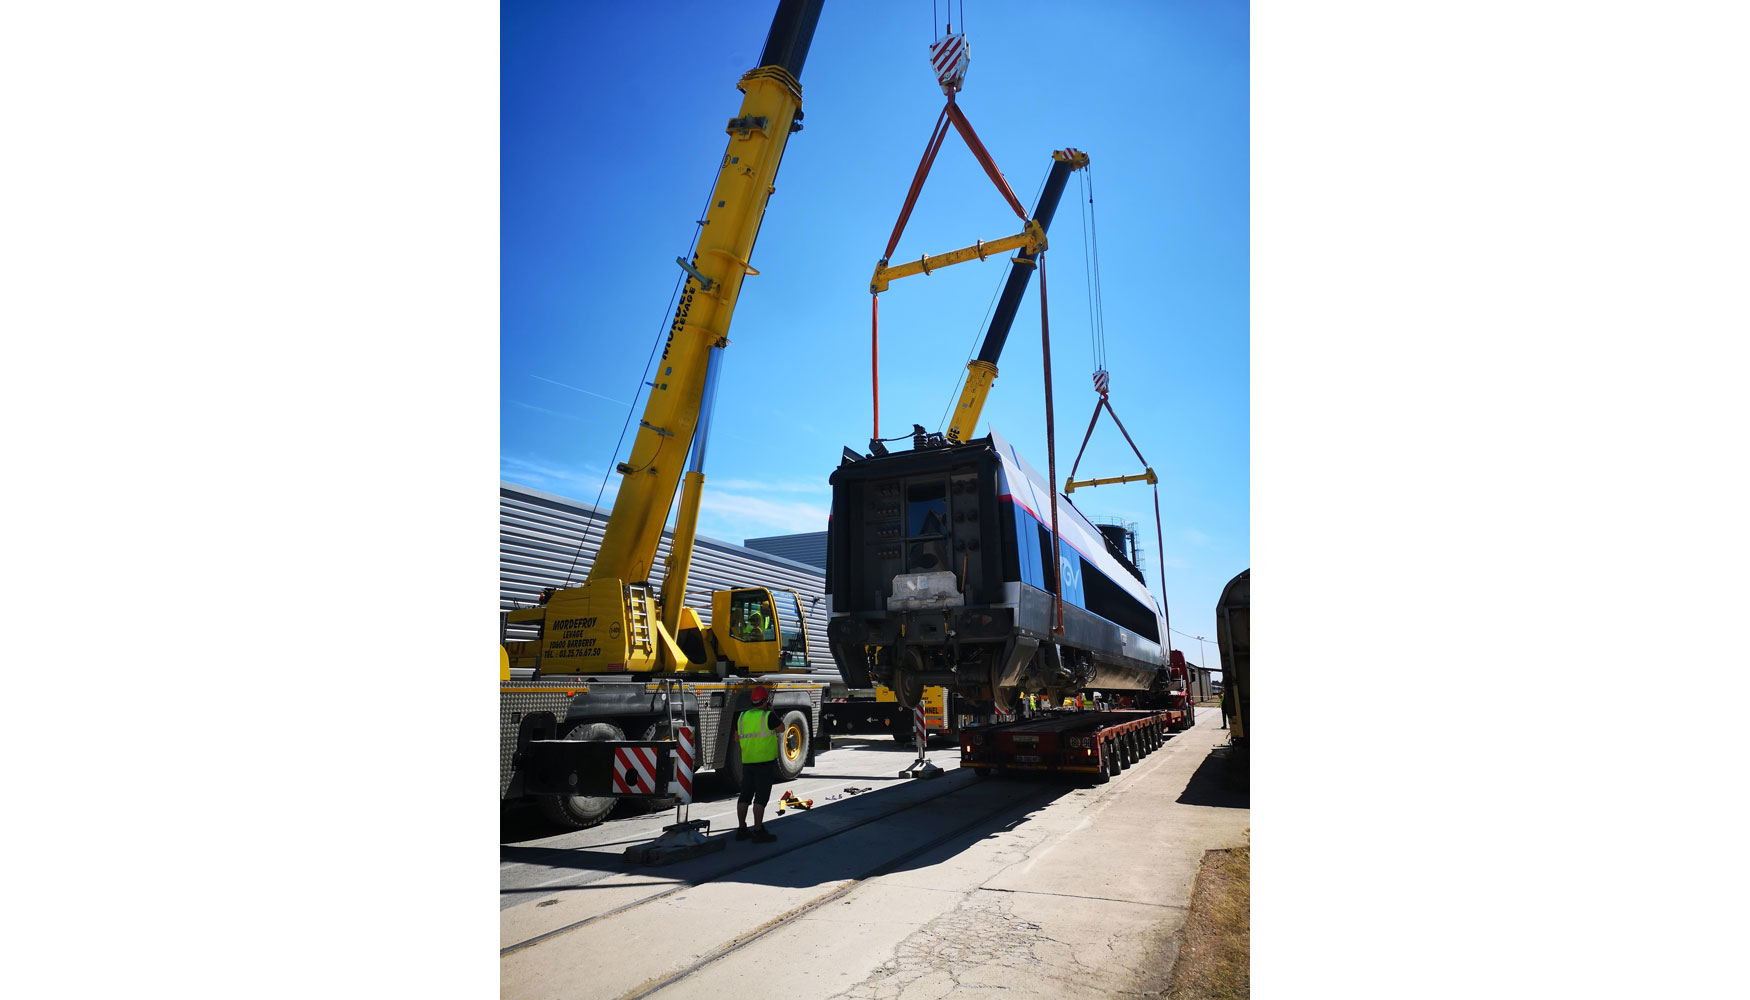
[757,730]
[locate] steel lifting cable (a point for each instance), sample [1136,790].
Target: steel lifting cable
[1091,270]
[1099,294]
[1097,324]
[1088,271]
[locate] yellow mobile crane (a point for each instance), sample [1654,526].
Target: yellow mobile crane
[630,641]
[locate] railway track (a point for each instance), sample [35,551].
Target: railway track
[941,818]
[1035,793]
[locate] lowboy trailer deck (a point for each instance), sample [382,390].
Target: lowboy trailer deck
[1100,744]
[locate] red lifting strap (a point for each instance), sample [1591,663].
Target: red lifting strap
[1104,402]
[1051,457]
[950,112]
[875,360]
[917,181]
[1161,547]
[984,159]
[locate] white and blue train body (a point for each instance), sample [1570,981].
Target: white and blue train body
[940,571]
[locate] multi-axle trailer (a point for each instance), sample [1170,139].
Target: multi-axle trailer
[1100,744]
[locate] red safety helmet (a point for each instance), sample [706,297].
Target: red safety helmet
[759,694]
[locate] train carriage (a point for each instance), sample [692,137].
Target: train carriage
[939,571]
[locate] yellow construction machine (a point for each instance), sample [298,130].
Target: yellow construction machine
[617,655]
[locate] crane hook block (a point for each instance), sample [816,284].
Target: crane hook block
[949,57]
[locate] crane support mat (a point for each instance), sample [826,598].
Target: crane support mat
[922,768]
[679,841]
[587,767]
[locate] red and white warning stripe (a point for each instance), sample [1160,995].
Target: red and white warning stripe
[634,770]
[918,722]
[682,785]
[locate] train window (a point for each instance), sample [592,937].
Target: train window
[1045,562]
[1113,603]
[926,509]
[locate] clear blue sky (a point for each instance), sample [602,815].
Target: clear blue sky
[612,126]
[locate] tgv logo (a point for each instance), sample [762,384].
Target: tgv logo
[1072,573]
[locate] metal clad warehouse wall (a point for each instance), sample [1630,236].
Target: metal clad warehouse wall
[538,536]
[807,548]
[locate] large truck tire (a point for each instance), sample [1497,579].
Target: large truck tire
[792,745]
[579,812]
[732,768]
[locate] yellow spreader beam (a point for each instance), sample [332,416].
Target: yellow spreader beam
[1029,240]
[1146,476]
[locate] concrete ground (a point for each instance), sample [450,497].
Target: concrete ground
[917,891]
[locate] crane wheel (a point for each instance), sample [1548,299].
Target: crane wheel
[792,745]
[579,812]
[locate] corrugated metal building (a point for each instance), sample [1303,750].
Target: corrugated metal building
[808,548]
[538,544]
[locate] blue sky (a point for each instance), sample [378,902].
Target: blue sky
[612,125]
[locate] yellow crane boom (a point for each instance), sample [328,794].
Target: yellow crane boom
[613,622]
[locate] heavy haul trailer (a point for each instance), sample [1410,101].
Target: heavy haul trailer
[606,653]
[939,572]
[1100,744]
[877,710]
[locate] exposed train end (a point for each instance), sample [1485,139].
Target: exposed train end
[939,571]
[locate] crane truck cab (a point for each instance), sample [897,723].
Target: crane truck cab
[751,638]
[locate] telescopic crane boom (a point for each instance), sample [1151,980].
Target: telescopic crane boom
[612,623]
[982,370]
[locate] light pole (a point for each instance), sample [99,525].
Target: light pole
[1202,656]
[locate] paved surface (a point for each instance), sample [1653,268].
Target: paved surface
[915,891]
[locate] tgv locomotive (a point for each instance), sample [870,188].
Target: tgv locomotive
[939,571]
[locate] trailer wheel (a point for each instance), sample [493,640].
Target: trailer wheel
[579,812]
[792,745]
[982,772]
